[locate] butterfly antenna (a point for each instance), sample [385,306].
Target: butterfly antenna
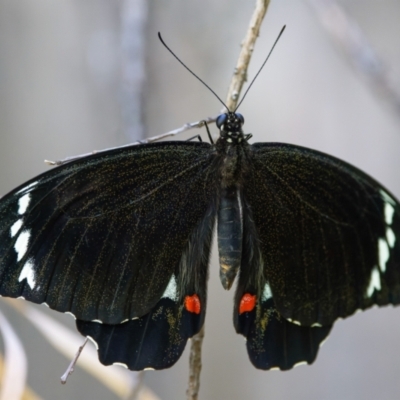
[201,80]
[262,66]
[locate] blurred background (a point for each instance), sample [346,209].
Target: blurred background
[76,76]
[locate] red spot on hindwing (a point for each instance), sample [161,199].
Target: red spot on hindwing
[247,303]
[192,304]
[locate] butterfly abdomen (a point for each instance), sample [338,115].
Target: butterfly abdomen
[230,234]
[234,153]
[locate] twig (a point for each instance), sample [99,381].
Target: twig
[134,395]
[349,36]
[235,88]
[186,127]
[71,366]
[240,73]
[118,380]
[195,365]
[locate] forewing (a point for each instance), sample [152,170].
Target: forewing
[328,234]
[101,237]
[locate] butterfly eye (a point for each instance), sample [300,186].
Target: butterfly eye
[240,118]
[221,120]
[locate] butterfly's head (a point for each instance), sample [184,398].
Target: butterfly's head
[230,126]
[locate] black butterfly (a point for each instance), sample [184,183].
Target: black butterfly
[122,241]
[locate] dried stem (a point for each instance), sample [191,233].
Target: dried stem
[195,365]
[71,366]
[234,91]
[235,88]
[240,74]
[184,128]
[134,395]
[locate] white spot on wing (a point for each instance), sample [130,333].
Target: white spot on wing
[383,254]
[389,211]
[15,227]
[293,321]
[94,342]
[120,364]
[23,203]
[390,237]
[316,325]
[387,198]
[170,291]
[148,369]
[70,313]
[300,363]
[26,188]
[28,273]
[267,293]
[374,283]
[323,342]
[21,244]
[98,321]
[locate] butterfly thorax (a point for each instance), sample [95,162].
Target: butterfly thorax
[233,148]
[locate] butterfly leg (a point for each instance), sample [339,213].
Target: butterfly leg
[195,137]
[208,131]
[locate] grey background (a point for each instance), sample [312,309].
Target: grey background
[60,95]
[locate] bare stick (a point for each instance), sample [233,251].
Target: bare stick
[235,88]
[195,365]
[71,366]
[240,74]
[186,127]
[237,82]
[349,36]
[134,395]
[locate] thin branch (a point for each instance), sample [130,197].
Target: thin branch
[137,388]
[118,380]
[184,128]
[240,73]
[71,366]
[234,91]
[345,32]
[195,365]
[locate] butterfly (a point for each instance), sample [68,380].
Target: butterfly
[121,239]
